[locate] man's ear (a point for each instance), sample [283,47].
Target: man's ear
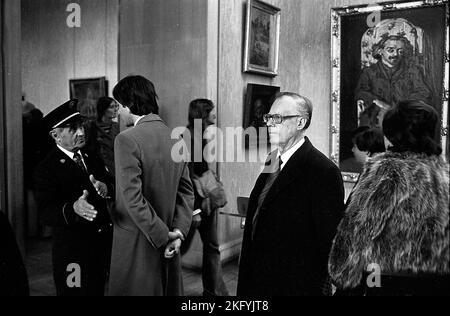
[54,134]
[301,123]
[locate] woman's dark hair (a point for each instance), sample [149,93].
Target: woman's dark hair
[199,109]
[370,140]
[138,94]
[412,125]
[103,104]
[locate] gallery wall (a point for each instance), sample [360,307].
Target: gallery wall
[53,53]
[166,41]
[304,67]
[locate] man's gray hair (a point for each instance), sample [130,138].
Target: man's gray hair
[305,107]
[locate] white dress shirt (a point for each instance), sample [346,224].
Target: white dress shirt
[288,154]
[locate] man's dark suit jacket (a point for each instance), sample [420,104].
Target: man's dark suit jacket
[295,228]
[59,182]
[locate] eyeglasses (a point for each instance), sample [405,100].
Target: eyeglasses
[277,118]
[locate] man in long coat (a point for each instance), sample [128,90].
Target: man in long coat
[293,210]
[154,200]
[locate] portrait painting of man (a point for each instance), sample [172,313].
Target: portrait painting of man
[396,73]
[387,56]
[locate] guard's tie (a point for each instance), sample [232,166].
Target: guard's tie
[79,161]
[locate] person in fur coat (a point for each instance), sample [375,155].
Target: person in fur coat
[397,223]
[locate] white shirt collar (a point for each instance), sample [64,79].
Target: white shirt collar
[288,154]
[71,154]
[68,153]
[137,121]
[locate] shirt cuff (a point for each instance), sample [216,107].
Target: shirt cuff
[196,212]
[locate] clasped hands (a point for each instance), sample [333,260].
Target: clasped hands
[81,206]
[174,244]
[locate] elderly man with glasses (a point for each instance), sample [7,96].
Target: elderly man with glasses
[293,212]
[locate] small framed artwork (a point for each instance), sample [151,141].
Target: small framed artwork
[258,101]
[262,38]
[382,54]
[88,91]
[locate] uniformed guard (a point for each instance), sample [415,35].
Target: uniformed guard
[72,191]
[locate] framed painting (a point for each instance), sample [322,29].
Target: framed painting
[258,101]
[88,91]
[262,38]
[382,54]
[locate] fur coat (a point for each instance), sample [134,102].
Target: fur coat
[398,218]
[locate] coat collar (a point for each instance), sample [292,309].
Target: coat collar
[62,160]
[291,170]
[149,118]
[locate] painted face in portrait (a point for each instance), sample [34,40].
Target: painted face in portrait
[392,52]
[259,109]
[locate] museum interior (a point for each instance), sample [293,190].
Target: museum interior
[232,52]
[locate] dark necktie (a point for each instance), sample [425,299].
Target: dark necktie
[269,182]
[79,161]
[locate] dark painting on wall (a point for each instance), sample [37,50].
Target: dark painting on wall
[88,91]
[258,101]
[262,38]
[383,54]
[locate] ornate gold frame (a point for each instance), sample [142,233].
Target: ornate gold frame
[336,16]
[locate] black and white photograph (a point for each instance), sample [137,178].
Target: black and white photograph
[224,156]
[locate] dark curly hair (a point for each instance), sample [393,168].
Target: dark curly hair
[412,125]
[371,140]
[199,109]
[103,104]
[138,94]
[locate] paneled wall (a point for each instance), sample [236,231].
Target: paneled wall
[166,41]
[53,53]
